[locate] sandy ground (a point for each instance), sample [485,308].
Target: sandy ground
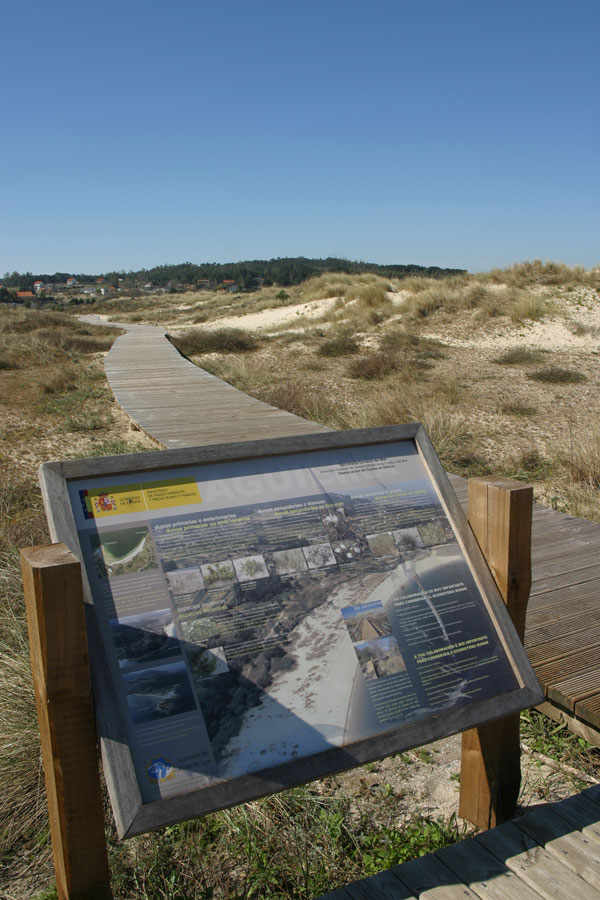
[552,333]
[271,318]
[549,334]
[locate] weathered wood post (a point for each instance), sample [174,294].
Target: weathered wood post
[500,513]
[61,677]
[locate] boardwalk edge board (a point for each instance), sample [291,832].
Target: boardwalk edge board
[266,613]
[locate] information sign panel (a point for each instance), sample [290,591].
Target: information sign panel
[263,614]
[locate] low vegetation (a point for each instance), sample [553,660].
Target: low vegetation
[453,295]
[342,344]
[222,340]
[519,356]
[383,351]
[548,274]
[557,375]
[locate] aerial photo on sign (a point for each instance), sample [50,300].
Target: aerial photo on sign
[281,608]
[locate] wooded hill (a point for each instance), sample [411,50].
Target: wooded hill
[247,274]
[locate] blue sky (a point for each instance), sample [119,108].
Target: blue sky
[460,133]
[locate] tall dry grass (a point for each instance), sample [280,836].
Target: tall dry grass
[222,340]
[489,301]
[552,274]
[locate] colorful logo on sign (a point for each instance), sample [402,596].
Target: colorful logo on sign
[131,498]
[160,769]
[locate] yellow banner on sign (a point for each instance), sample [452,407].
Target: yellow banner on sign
[172,492]
[114,501]
[135,498]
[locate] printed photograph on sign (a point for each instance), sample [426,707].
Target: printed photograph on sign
[379,657]
[147,637]
[185,581]
[366,621]
[153,694]
[123,552]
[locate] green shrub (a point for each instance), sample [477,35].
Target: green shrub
[557,375]
[222,340]
[516,356]
[375,365]
[408,342]
[6,362]
[341,345]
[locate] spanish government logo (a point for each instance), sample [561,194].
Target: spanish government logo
[160,769]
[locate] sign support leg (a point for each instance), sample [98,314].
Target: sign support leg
[500,516]
[61,677]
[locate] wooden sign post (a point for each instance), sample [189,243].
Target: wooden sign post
[61,676]
[500,517]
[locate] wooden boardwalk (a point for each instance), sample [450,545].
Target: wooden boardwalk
[180,405]
[552,852]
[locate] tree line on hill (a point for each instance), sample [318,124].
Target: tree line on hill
[248,274]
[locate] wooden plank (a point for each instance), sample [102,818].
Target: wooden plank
[574,664]
[589,709]
[564,645]
[576,564]
[581,812]
[487,876]
[429,879]
[549,582]
[535,865]
[500,516]
[571,603]
[59,660]
[340,894]
[570,847]
[384,886]
[571,690]
[567,620]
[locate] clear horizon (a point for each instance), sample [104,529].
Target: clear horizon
[461,136]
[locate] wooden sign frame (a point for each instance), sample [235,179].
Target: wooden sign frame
[132,815]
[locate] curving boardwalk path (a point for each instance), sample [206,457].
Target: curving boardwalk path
[181,405]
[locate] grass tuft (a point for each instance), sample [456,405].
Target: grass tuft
[341,345]
[517,408]
[557,375]
[222,340]
[374,365]
[582,460]
[517,356]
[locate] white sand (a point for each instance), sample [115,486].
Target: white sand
[270,318]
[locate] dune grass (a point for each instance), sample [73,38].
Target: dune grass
[551,274]
[450,298]
[557,375]
[518,356]
[343,344]
[221,340]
